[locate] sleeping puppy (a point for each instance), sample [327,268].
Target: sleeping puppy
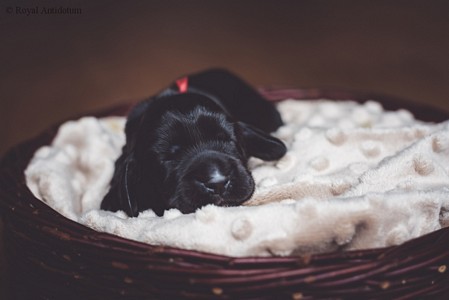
[189,146]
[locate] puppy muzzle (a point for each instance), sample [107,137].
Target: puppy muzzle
[213,177]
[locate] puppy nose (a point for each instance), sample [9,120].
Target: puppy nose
[216,183]
[217,186]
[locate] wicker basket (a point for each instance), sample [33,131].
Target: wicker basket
[51,257]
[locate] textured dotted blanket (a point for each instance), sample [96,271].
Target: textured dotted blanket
[354,177]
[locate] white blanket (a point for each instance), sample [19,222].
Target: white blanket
[354,177]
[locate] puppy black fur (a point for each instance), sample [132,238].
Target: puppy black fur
[186,150]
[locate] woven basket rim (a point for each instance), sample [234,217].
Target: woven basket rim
[20,208]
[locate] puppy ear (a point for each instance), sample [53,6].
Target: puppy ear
[260,144]
[133,188]
[123,181]
[118,196]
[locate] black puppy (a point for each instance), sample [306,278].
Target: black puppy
[189,146]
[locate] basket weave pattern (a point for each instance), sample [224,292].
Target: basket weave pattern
[51,257]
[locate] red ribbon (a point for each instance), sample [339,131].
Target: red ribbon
[183,84]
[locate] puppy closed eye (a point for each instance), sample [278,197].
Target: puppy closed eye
[172,152]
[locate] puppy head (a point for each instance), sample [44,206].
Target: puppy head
[185,152]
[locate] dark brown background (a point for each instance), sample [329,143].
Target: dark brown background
[56,66]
